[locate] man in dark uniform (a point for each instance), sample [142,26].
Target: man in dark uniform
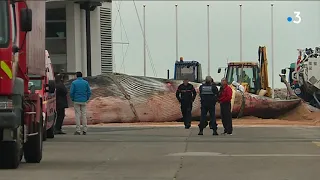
[209,96]
[186,94]
[61,104]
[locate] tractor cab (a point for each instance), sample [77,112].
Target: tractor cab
[188,69]
[245,73]
[292,70]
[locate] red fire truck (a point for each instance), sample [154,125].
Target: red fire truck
[22,43]
[49,112]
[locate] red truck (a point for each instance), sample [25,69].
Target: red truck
[22,43]
[49,112]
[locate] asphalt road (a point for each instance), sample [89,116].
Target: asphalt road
[166,153]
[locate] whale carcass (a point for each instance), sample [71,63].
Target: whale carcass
[118,98]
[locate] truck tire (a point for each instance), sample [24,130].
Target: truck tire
[44,133]
[50,132]
[11,152]
[33,147]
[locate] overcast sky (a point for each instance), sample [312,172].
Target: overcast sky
[224,33]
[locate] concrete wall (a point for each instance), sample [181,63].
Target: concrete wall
[73,37]
[76,56]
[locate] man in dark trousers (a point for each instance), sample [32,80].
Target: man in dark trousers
[225,106]
[186,94]
[209,97]
[61,104]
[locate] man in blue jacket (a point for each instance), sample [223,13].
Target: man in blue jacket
[80,93]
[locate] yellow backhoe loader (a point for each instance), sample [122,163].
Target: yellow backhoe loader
[253,76]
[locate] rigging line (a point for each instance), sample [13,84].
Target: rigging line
[118,14]
[122,24]
[118,5]
[125,55]
[148,50]
[147,47]
[121,34]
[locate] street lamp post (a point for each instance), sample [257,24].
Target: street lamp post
[272,51]
[144,42]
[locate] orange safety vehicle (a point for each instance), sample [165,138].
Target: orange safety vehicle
[22,43]
[49,113]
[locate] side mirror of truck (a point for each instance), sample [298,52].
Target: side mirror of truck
[281,79]
[283,71]
[26,20]
[219,70]
[32,88]
[51,86]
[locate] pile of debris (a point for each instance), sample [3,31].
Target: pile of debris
[281,93]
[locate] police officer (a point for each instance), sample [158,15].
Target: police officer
[186,94]
[209,97]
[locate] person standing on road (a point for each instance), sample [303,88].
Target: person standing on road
[225,106]
[61,104]
[186,94]
[80,93]
[209,97]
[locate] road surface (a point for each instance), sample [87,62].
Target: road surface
[166,153]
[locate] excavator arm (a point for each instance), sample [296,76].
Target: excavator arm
[263,63]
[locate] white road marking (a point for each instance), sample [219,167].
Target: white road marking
[316,143]
[241,155]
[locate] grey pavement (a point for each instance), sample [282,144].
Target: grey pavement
[166,153]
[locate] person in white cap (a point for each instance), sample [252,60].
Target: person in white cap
[238,86]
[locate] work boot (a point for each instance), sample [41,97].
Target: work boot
[200,132]
[215,133]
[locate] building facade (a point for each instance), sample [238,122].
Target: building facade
[66,37]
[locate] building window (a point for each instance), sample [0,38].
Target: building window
[58,68]
[56,33]
[56,45]
[56,14]
[56,30]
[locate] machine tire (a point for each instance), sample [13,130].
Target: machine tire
[50,132]
[33,146]
[11,153]
[44,133]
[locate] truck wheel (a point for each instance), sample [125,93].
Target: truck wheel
[50,132]
[33,146]
[44,133]
[11,153]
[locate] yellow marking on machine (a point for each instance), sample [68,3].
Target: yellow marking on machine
[49,101]
[316,143]
[4,66]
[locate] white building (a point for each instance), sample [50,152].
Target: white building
[66,37]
